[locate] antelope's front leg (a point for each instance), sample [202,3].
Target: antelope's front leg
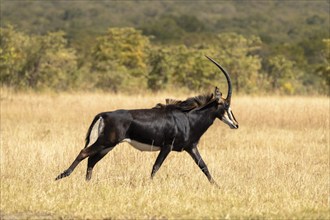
[164,151]
[194,153]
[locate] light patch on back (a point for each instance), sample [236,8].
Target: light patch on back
[141,146]
[96,131]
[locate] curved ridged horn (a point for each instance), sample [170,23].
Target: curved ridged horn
[227,77]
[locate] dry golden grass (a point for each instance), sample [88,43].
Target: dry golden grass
[276,165]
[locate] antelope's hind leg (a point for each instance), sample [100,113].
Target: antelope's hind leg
[93,160]
[84,153]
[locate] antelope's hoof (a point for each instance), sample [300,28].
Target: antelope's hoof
[64,174]
[89,175]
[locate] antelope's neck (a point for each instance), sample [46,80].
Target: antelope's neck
[200,121]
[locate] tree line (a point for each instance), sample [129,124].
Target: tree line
[128,60]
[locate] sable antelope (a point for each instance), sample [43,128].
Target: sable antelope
[174,126]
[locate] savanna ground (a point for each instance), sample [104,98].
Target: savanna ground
[275,166]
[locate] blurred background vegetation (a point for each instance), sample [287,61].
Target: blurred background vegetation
[280,47]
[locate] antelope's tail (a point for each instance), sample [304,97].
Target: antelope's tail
[97,120]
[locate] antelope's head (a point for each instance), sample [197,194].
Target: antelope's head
[224,112]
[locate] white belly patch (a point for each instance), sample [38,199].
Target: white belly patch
[141,146]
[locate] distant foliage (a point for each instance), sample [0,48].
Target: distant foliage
[268,46]
[14,52]
[125,60]
[119,60]
[161,62]
[324,68]
[281,74]
[238,54]
[36,62]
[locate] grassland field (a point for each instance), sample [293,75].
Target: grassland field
[275,166]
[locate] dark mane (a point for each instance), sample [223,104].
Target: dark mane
[188,104]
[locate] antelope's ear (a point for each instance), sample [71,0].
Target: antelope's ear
[217,94]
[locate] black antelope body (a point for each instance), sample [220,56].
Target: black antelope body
[174,126]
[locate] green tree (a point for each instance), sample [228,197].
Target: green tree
[13,56]
[193,70]
[186,67]
[36,62]
[161,64]
[282,73]
[324,69]
[120,59]
[238,56]
[56,63]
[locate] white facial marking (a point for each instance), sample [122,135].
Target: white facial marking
[230,114]
[141,146]
[226,119]
[229,119]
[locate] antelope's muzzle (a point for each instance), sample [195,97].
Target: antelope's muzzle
[229,119]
